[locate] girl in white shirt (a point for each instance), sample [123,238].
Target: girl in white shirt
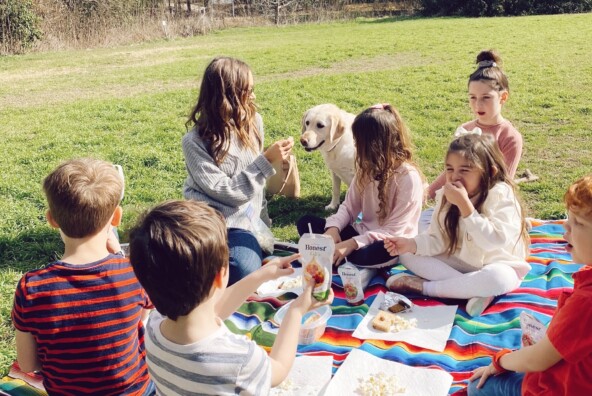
[387,189]
[476,245]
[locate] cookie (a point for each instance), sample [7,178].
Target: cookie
[382,321]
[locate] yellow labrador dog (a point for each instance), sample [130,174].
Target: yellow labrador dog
[327,128]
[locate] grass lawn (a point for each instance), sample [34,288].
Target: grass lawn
[128,105]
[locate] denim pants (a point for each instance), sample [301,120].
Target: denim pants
[373,255]
[245,254]
[507,384]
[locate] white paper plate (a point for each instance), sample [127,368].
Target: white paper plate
[360,366]
[272,288]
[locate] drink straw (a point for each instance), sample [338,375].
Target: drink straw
[310,230]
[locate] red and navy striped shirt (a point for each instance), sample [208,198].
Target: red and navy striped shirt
[86,320]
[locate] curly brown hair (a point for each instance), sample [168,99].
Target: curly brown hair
[383,143]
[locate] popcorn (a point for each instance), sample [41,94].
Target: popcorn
[380,385]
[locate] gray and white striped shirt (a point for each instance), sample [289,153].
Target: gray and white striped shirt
[220,364]
[235,187]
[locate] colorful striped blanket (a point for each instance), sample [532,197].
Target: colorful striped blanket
[472,341]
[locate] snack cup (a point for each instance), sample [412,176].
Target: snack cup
[313,323]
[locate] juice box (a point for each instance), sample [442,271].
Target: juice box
[316,252]
[352,283]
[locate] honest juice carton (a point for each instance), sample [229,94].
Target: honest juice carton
[352,283]
[316,252]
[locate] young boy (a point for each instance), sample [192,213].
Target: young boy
[560,363]
[78,319]
[179,251]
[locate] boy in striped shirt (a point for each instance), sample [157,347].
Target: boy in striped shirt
[179,251]
[78,320]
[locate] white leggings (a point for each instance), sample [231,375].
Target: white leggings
[449,277]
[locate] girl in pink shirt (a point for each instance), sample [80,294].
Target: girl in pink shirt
[488,91]
[387,190]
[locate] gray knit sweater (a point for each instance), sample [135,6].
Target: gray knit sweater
[235,187]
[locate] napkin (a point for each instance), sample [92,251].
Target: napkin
[360,366]
[309,376]
[434,325]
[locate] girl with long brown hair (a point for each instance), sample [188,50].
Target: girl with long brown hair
[225,159]
[475,247]
[387,190]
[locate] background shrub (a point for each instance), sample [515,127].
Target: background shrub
[477,8]
[19,25]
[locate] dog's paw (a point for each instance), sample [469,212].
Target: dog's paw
[332,206]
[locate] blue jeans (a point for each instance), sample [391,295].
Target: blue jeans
[507,384]
[372,255]
[245,254]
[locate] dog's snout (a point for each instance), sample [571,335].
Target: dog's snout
[304,141]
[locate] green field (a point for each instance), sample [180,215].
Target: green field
[128,105]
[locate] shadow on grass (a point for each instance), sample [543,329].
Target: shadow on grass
[286,211]
[39,246]
[30,249]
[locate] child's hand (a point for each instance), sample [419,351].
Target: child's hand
[483,373]
[279,150]
[113,245]
[306,302]
[456,194]
[342,250]
[333,232]
[399,245]
[279,266]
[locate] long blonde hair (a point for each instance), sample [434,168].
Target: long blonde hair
[383,144]
[224,107]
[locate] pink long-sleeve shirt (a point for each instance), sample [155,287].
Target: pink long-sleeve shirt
[405,199]
[508,139]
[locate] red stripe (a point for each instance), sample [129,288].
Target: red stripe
[83,303]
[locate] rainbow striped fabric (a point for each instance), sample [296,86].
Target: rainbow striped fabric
[472,341]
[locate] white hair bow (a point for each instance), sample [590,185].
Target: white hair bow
[460,131]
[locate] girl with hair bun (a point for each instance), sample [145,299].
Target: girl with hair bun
[488,91]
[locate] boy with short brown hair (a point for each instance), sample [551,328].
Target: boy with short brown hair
[78,319]
[179,251]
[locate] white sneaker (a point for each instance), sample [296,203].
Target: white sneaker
[476,305]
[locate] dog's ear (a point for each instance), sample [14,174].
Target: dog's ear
[339,128]
[303,120]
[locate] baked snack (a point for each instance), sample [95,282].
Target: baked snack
[389,322]
[395,303]
[383,321]
[398,307]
